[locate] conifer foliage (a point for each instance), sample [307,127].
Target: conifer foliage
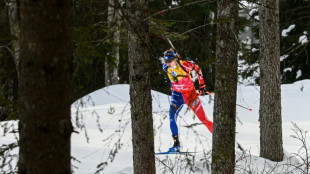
[295,38]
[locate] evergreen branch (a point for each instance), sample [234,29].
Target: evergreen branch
[196,28]
[7,48]
[248,12]
[175,8]
[292,49]
[253,1]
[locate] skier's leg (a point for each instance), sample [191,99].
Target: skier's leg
[192,100]
[173,115]
[202,116]
[176,105]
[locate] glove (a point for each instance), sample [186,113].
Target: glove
[202,89]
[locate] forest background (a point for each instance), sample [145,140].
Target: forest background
[192,29]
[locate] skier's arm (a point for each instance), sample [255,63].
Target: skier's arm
[199,74]
[190,66]
[165,67]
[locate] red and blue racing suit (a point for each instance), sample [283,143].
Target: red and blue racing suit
[184,92]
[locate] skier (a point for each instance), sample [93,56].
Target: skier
[183,92]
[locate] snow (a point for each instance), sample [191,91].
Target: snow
[253,11]
[106,116]
[256,17]
[254,50]
[287,69]
[303,39]
[247,4]
[245,67]
[174,3]
[286,31]
[298,74]
[283,57]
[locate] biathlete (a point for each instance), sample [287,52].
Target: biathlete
[183,92]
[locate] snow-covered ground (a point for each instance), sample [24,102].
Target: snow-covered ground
[104,139]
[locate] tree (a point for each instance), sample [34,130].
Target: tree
[140,87]
[111,66]
[8,74]
[224,127]
[45,86]
[90,46]
[295,47]
[14,28]
[271,145]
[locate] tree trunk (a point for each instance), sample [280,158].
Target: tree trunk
[45,87]
[111,68]
[271,145]
[140,88]
[12,9]
[8,77]
[224,127]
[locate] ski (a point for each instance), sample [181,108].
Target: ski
[167,153]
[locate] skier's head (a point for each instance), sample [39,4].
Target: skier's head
[169,56]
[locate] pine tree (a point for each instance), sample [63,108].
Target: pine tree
[295,48]
[90,46]
[8,74]
[45,87]
[111,66]
[271,144]
[224,127]
[14,29]
[140,87]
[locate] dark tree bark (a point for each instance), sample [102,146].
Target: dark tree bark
[224,127]
[271,145]
[45,87]
[140,88]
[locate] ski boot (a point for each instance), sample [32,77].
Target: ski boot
[176,144]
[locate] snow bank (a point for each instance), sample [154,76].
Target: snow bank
[103,121]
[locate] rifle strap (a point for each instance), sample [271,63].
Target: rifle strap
[184,68]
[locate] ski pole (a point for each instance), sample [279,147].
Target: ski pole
[250,109]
